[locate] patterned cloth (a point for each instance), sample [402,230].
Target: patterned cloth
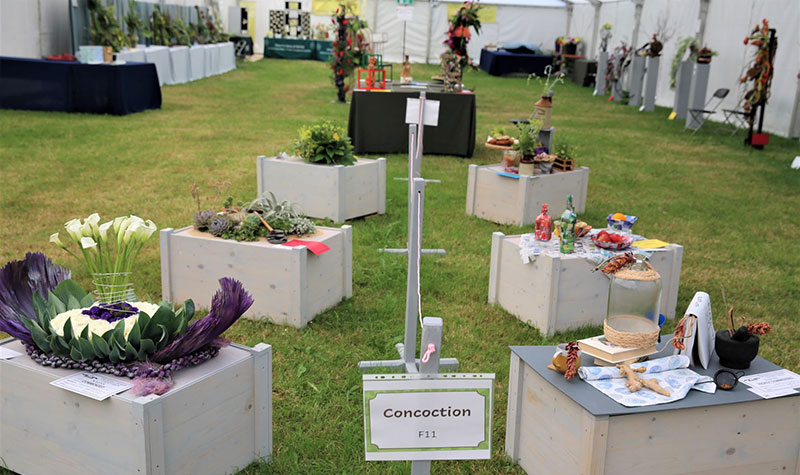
[529,248]
[671,372]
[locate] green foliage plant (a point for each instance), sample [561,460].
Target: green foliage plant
[324,143]
[528,137]
[104,28]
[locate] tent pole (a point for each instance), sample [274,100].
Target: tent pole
[702,15]
[592,53]
[569,16]
[428,37]
[637,19]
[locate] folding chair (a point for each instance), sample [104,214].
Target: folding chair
[699,115]
[738,119]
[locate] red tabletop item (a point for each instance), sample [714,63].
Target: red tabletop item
[315,247]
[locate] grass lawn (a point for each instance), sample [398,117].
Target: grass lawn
[734,209]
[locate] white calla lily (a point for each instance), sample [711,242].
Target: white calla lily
[87,242]
[103,228]
[118,222]
[131,231]
[146,230]
[57,241]
[93,220]
[74,229]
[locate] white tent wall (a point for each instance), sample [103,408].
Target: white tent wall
[34,28]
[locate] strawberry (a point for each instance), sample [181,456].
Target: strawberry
[616,238]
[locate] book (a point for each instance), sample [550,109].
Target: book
[599,347]
[699,331]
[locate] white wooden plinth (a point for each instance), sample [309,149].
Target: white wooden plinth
[289,285]
[336,192]
[547,433]
[510,201]
[216,419]
[554,294]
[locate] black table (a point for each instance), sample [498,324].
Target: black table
[35,84]
[377,123]
[502,62]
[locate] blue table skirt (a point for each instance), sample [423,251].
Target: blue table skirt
[35,84]
[498,63]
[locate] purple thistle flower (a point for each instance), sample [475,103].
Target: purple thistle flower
[227,305]
[18,282]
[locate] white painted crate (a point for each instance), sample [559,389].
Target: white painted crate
[337,192]
[557,293]
[216,419]
[507,200]
[289,285]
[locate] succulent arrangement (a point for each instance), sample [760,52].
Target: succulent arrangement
[324,143]
[249,221]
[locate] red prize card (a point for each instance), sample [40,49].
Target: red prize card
[314,246]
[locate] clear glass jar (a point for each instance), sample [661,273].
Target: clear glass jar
[634,299]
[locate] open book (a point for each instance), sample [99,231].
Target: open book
[699,331]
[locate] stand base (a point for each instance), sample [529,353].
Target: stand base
[444,363]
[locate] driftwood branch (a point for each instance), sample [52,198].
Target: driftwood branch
[635,382]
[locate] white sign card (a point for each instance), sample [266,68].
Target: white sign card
[431,116]
[428,416]
[92,385]
[700,331]
[8,353]
[405,12]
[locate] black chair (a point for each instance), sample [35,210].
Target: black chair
[700,115]
[738,119]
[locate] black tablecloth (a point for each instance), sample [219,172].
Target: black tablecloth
[35,84]
[377,123]
[502,62]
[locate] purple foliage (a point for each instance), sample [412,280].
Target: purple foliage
[147,386]
[228,304]
[18,282]
[111,313]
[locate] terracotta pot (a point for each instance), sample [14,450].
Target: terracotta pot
[108,54]
[733,353]
[543,111]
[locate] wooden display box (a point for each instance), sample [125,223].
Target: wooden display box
[553,429]
[289,285]
[554,294]
[216,419]
[507,200]
[336,192]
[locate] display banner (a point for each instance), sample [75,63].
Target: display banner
[328,7]
[445,416]
[487,14]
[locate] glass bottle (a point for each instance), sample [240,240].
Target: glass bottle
[634,300]
[544,225]
[568,222]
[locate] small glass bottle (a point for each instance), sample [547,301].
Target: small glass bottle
[568,222]
[544,225]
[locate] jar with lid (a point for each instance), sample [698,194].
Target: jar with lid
[634,298]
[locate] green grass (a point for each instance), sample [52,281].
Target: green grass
[734,209]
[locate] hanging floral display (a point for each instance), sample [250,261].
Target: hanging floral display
[458,35]
[349,43]
[761,71]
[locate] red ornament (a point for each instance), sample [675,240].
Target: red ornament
[346,87]
[349,41]
[345,21]
[335,44]
[341,72]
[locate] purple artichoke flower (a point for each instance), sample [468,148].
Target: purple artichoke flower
[227,305]
[18,282]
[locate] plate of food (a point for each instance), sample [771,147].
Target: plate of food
[612,241]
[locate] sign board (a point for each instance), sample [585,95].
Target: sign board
[405,12]
[92,385]
[431,117]
[445,416]
[405,2]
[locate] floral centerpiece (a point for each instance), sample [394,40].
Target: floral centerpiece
[104,28]
[761,70]
[704,55]
[349,44]
[324,143]
[568,44]
[458,33]
[605,35]
[62,326]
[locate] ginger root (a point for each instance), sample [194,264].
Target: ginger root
[636,383]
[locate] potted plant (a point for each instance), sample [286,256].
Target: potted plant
[737,348]
[105,30]
[134,24]
[605,35]
[527,145]
[704,54]
[543,108]
[324,143]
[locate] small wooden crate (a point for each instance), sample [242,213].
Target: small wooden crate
[558,293]
[337,192]
[518,201]
[289,285]
[550,430]
[565,165]
[216,419]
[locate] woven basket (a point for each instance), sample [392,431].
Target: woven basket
[641,339]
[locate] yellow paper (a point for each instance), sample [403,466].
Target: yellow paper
[672,115]
[487,13]
[328,7]
[650,244]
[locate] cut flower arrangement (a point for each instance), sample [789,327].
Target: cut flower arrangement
[63,326]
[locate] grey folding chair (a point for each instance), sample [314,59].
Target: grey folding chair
[699,116]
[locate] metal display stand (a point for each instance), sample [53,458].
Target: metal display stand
[431,343]
[683,82]
[697,94]
[637,80]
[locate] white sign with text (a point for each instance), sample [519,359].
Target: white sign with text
[428,416]
[92,385]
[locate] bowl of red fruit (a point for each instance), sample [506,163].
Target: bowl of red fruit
[612,241]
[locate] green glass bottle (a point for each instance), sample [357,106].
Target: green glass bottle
[568,222]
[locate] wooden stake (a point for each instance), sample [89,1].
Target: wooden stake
[265,223]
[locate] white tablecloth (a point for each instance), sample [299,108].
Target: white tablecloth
[179,57]
[136,55]
[227,57]
[159,55]
[212,60]
[197,62]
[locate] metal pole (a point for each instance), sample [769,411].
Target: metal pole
[412,287]
[431,335]
[404,42]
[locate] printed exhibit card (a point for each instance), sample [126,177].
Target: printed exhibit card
[92,385]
